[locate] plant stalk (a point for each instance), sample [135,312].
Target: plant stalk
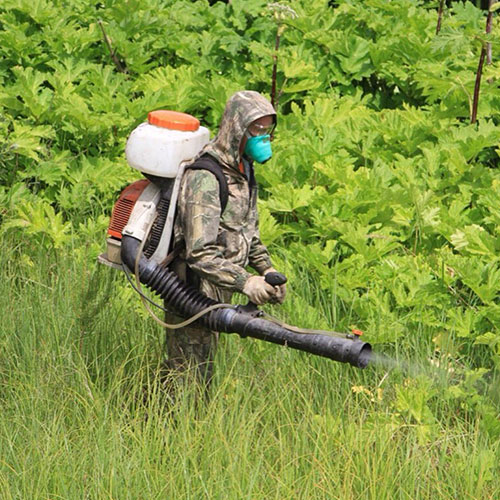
[485,48]
[112,52]
[440,16]
[489,22]
[275,69]
[477,85]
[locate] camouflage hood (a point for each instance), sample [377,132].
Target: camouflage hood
[241,110]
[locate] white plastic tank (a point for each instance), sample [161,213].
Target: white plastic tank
[161,144]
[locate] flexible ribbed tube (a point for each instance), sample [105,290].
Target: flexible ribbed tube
[182,298]
[187,301]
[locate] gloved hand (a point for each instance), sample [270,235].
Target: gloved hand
[280,289]
[258,291]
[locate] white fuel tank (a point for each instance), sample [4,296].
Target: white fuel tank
[161,144]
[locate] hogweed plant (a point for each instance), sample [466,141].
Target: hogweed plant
[280,12]
[486,52]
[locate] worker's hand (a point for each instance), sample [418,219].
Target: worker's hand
[258,291]
[280,289]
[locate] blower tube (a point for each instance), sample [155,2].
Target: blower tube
[188,301]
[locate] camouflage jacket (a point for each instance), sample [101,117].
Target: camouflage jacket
[215,247]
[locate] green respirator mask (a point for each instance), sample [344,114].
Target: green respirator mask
[258,147]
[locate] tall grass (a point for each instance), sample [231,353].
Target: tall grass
[83,414]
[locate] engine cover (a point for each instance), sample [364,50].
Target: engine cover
[124,206]
[132,215]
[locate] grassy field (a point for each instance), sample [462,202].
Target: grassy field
[78,356]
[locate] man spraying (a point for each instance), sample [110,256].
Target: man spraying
[219,239]
[215,237]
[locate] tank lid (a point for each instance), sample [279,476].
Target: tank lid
[173,120]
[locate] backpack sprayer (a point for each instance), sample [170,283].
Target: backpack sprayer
[140,239]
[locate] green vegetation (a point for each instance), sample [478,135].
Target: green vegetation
[77,363]
[380,204]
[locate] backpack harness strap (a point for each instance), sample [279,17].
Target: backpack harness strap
[207,162]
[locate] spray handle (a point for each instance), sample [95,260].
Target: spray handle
[275,279]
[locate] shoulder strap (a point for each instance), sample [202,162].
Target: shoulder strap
[207,162]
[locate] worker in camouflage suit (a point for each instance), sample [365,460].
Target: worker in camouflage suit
[217,247]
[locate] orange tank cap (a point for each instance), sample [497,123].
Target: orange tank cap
[173,120]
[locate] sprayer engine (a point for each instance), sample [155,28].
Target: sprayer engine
[141,212]
[140,234]
[159,148]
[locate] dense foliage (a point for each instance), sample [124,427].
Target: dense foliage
[380,189]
